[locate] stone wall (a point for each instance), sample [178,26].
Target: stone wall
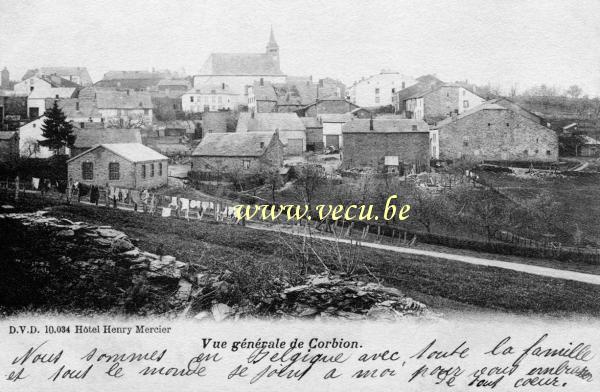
[369,149]
[498,135]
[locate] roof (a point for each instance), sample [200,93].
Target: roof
[110,99]
[386,125]
[240,64]
[424,90]
[335,117]
[4,135]
[589,140]
[57,81]
[510,104]
[133,152]
[87,138]
[311,122]
[269,122]
[87,108]
[478,108]
[112,75]
[234,144]
[295,91]
[208,89]
[80,72]
[174,82]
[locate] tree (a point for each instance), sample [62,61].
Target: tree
[574,91]
[30,147]
[429,208]
[57,130]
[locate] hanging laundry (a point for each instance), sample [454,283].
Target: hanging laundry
[166,212]
[125,194]
[194,204]
[119,194]
[211,205]
[173,202]
[185,204]
[35,182]
[145,195]
[135,196]
[111,192]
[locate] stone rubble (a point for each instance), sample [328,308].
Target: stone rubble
[199,293]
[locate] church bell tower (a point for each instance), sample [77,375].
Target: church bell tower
[273,48]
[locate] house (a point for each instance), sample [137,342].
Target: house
[124,165]
[9,146]
[291,130]
[87,138]
[378,90]
[173,87]
[314,133]
[441,101]
[386,145]
[30,135]
[45,87]
[131,80]
[204,98]
[491,132]
[124,109]
[332,128]
[13,111]
[238,70]
[79,111]
[245,153]
[288,97]
[589,148]
[78,75]
[327,105]
[424,83]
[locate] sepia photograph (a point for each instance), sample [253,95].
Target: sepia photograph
[278,195]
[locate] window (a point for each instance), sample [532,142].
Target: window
[376,99]
[414,128]
[403,85]
[465,104]
[489,124]
[508,124]
[191,98]
[262,144]
[87,170]
[547,152]
[76,105]
[81,125]
[56,96]
[466,143]
[393,90]
[31,88]
[152,170]
[377,90]
[526,152]
[160,169]
[246,163]
[536,151]
[113,171]
[143,171]
[33,125]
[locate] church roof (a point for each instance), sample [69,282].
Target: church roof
[255,64]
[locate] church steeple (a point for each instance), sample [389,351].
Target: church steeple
[273,48]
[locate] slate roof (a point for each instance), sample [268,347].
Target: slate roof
[311,122]
[429,89]
[81,72]
[62,92]
[133,152]
[110,99]
[174,82]
[234,144]
[112,75]
[87,108]
[386,125]
[240,64]
[269,122]
[207,89]
[478,108]
[335,117]
[88,138]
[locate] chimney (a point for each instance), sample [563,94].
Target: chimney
[371,122]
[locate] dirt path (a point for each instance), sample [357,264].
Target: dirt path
[526,268]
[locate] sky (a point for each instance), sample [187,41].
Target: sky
[504,43]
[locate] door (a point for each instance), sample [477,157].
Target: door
[332,140]
[295,146]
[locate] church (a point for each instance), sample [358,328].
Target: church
[239,70]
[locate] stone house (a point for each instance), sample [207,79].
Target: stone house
[44,88]
[217,122]
[131,80]
[244,153]
[291,130]
[424,83]
[378,90]
[589,148]
[491,132]
[291,96]
[386,145]
[9,146]
[13,110]
[123,109]
[440,102]
[206,97]
[86,138]
[124,165]
[314,133]
[78,75]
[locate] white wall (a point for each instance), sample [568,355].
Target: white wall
[237,84]
[201,100]
[467,100]
[364,92]
[31,132]
[333,129]
[24,87]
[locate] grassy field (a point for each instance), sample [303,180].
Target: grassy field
[578,203]
[259,258]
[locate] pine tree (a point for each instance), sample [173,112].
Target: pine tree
[57,130]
